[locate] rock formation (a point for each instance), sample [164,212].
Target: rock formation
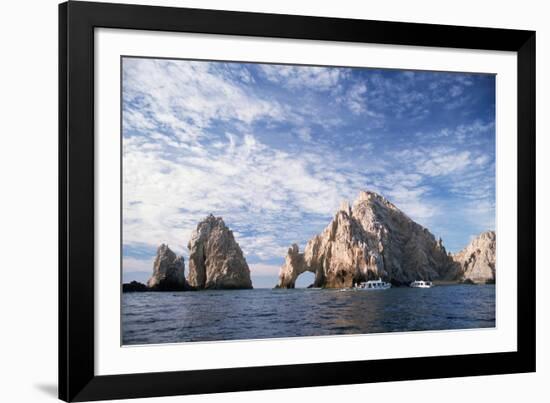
[477,260]
[134,286]
[168,271]
[215,258]
[371,239]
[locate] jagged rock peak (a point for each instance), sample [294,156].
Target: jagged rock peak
[372,239]
[370,196]
[477,260]
[345,207]
[168,271]
[215,258]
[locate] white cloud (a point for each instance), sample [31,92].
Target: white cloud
[355,98]
[456,90]
[304,133]
[464,135]
[411,198]
[443,161]
[187,96]
[251,185]
[472,132]
[299,77]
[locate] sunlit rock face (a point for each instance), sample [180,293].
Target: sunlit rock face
[293,267]
[477,260]
[216,260]
[369,240]
[168,271]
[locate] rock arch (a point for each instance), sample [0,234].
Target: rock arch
[370,239]
[293,267]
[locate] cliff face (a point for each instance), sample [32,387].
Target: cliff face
[216,259]
[371,239]
[168,271]
[477,260]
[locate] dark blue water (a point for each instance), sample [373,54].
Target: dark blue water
[170,317]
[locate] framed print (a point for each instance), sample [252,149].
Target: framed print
[257,201]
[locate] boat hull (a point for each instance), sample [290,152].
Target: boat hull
[421,284]
[373,289]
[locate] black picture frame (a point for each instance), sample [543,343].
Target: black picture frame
[77,379]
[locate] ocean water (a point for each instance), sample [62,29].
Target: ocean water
[172,317]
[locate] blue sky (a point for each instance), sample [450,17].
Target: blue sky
[273,149]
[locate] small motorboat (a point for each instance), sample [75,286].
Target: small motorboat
[372,285]
[421,284]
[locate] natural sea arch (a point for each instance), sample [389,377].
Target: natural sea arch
[305,279]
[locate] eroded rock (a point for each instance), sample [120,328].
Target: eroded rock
[168,271]
[477,260]
[216,260]
[371,239]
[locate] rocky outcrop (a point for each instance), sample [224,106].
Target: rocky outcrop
[134,286]
[477,260]
[293,267]
[168,271]
[371,239]
[215,259]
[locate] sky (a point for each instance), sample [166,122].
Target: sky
[274,149]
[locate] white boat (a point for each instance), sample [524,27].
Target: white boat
[372,285]
[421,284]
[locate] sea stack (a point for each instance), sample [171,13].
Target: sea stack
[477,260]
[371,239]
[216,260]
[168,271]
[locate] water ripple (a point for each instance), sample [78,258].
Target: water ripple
[154,317]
